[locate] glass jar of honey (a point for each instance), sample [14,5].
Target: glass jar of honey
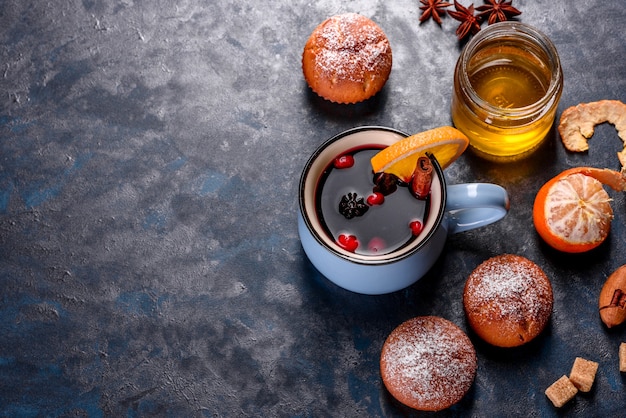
[507,85]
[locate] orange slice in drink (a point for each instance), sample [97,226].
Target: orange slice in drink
[445,143]
[572,212]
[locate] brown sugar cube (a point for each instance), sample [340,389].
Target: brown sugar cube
[622,357]
[561,391]
[583,374]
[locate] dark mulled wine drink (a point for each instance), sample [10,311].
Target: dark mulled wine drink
[365,213]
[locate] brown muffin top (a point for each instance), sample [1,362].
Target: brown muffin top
[428,363]
[347,58]
[508,295]
[349,45]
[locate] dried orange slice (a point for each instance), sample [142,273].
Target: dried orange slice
[572,212]
[445,143]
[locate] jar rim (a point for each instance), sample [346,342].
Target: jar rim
[529,34]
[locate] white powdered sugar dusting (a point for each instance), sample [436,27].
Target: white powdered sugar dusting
[350,47]
[430,360]
[509,288]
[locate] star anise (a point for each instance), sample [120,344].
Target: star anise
[434,8]
[470,23]
[498,10]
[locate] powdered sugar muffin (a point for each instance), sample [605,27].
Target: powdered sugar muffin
[347,58]
[508,300]
[428,363]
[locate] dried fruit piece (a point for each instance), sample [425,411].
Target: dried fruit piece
[577,124]
[385,183]
[612,301]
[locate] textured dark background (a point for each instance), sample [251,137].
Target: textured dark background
[149,258]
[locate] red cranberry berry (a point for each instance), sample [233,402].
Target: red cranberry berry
[344,161]
[375,198]
[376,245]
[348,242]
[416,227]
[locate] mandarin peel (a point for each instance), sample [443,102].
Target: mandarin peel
[614,179]
[577,124]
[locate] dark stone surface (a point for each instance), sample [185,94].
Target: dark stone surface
[149,258]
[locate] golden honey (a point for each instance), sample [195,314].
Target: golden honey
[507,85]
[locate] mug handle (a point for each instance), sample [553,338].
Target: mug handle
[472,205]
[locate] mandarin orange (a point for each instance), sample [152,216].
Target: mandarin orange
[572,212]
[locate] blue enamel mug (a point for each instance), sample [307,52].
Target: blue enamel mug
[452,209]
